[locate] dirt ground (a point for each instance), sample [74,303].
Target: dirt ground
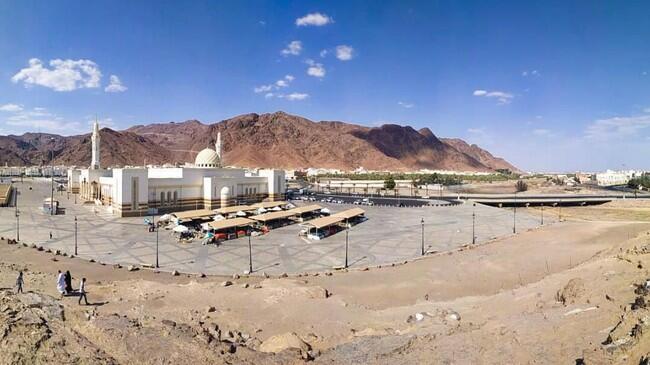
[558,294]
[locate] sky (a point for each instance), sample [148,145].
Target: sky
[552,86]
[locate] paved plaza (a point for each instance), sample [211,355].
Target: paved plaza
[389,235]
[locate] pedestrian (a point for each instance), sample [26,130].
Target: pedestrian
[68,282]
[60,283]
[19,282]
[50,234]
[82,291]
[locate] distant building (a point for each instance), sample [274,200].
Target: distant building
[133,191]
[611,178]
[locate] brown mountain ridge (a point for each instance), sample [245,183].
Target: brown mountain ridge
[277,140]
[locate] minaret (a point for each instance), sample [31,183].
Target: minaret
[217,148]
[94,164]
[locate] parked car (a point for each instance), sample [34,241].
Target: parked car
[356,202]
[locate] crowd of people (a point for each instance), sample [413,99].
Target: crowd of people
[63,286]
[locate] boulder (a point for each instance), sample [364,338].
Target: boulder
[289,340]
[226,283]
[175,273]
[132,268]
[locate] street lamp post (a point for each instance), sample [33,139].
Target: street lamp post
[347,229]
[542,214]
[514,216]
[422,245]
[156,228]
[75,235]
[250,255]
[474,223]
[52,179]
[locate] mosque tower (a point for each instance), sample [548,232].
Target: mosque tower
[217,148]
[94,164]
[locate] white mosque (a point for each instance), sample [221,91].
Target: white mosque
[135,191]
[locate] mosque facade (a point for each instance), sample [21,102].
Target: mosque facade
[206,184]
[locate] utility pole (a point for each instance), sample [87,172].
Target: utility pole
[346,246]
[542,214]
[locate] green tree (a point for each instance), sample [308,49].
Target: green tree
[389,183]
[521,186]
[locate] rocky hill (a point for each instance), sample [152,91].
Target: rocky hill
[260,140]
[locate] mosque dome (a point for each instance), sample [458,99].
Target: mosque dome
[207,158]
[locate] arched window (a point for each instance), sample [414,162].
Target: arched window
[162,197]
[175,197]
[169,197]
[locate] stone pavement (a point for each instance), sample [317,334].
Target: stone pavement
[389,235]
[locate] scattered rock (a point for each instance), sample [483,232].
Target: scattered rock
[54,259]
[244,285]
[132,268]
[226,283]
[211,309]
[453,316]
[91,260]
[265,275]
[571,291]
[288,340]
[168,322]
[40,248]
[235,276]
[257,286]
[175,273]
[284,275]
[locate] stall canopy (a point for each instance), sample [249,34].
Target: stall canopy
[230,223]
[306,209]
[193,214]
[350,213]
[334,218]
[267,217]
[235,209]
[267,205]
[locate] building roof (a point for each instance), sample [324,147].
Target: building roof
[350,213]
[230,223]
[235,209]
[189,215]
[267,205]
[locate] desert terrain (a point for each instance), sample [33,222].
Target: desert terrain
[569,292]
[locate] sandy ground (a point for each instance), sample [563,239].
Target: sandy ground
[549,295]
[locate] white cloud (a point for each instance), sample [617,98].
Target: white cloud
[617,127]
[115,85]
[527,73]
[105,122]
[315,69]
[38,119]
[295,96]
[476,130]
[344,53]
[284,82]
[646,110]
[64,75]
[314,19]
[405,104]
[542,132]
[11,108]
[323,53]
[293,48]
[502,97]
[268,95]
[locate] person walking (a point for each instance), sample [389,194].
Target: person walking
[68,282]
[50,234]
[19,282]
[82,291]
[60,283]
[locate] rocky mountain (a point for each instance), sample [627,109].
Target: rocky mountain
[479,154]
[260,140]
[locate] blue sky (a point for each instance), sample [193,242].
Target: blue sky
[548,85]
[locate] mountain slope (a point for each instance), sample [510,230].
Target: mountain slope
[276,140]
